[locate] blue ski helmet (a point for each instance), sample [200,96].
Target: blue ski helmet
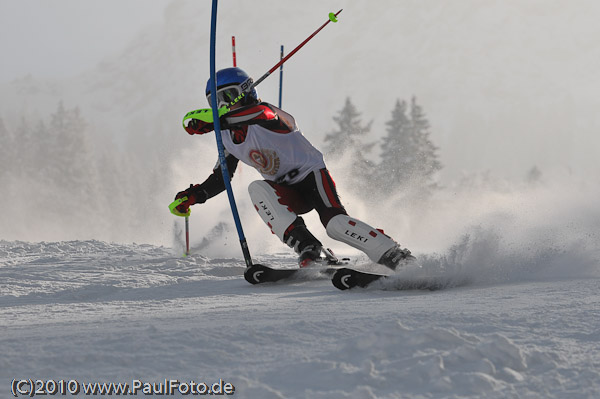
[231,82]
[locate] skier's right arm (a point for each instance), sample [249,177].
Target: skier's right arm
[196,126]
[262,114]
[213,185]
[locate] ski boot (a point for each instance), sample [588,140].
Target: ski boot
[309,255]
[395,256]
[304,243]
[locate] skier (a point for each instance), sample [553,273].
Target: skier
[296,179]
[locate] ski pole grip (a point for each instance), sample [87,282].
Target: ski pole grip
[204,115]
[173,207]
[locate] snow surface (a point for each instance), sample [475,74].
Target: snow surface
[96,311]
[519,316]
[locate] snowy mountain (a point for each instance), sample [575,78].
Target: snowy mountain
[139,314]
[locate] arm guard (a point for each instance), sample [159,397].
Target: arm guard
[215,184]
[263,114]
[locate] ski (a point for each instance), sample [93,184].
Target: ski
[258,274]
[324,268]
[345,279]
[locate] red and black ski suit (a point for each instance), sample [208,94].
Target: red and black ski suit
[278,152]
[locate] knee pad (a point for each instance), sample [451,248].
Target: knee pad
[359,235]
[266,202]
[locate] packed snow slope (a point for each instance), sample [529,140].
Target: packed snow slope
[91,311]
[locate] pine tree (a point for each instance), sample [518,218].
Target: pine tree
[408,157]
[350,130]
[534,176]
[68,163]
[426,158]
[6,148]
[347,143]
[396,151]
[24,149]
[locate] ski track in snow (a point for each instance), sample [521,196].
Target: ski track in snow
[95,311]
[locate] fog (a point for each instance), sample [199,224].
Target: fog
[63,38]
[506,86]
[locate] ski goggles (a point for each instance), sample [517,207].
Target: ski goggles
[228,93]
[225,95]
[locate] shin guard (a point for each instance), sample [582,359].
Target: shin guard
[277,216]
[360,235]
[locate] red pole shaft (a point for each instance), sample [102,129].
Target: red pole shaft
[233,50]
[292,52]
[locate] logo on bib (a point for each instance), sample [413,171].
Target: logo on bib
[266,161]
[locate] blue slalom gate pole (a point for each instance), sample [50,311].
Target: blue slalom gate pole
[217,126]
[281,78]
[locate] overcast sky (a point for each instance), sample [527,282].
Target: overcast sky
[506,84]
[35,34]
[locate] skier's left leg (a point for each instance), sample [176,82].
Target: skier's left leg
[378,246]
